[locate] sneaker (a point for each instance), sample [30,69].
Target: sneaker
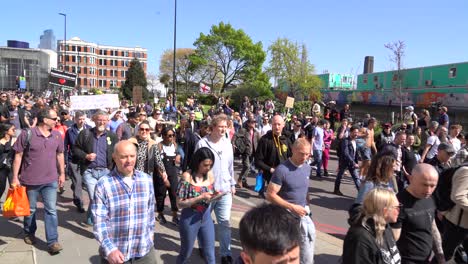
[313,167]
[226,260]
[30,239]
[325,173]
[245,185]
[55,248]
[61,190]
[161,219]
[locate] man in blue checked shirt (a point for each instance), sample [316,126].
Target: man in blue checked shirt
[123,209]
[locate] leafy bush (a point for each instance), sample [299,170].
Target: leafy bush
[207,99]
[303,106]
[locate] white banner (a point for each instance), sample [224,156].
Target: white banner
[87,102]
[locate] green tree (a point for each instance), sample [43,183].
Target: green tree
[135,77]
[229,54]
[185,68]
[290,66]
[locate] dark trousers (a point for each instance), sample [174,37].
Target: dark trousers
[352,171]
[160,190]
[246,161]
[149,258]
[453,236]
[77,182]
[5,174]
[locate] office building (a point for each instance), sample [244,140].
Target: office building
[98,66]
[47,40]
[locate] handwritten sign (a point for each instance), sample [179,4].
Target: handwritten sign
[289,102]
[87,102]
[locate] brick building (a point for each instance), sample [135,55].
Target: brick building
[98,66]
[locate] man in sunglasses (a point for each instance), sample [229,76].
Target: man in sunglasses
[41,177]
[4,112]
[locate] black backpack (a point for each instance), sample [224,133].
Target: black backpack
[444,188]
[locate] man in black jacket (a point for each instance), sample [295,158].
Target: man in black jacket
[348,159]
[273,148]
[93,149]
[191,140]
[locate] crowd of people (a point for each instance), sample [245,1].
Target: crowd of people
[411,179]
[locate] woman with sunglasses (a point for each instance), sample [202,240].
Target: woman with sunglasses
[148,156]
[170,157]
[370,239]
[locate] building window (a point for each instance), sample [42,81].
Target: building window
[376,78]
[85,81]
[85,70]
[126,54]
[364,79]
[453,72]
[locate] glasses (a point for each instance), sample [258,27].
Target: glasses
[398,207]
[170,135]
[144,129]
[52,118]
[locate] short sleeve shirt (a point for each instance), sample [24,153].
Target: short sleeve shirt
[294,182]
[40,164]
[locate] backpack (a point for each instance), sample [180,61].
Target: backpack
[241,143]
[444,188]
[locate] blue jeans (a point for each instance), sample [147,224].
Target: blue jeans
[49,198]
[222,210]
[90,178]
[307,240]
[352,171]
[191,225]
[318,161]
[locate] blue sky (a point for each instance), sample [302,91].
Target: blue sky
[337,33]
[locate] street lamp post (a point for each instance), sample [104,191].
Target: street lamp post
[65,38]
[174,59]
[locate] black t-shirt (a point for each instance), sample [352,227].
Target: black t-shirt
[410,159]
[360,246]
[415,220]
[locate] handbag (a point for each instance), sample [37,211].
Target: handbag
[16,203]
[258,182]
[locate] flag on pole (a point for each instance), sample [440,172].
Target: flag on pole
[204,88]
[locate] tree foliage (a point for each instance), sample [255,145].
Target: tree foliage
[135,77]
[229,55]
[289,65]
[186,68]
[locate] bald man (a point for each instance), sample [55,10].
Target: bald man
[123,210]
[415,230]
[272,149]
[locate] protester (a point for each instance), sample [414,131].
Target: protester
[93,150]
[273,148]
[289,188]
[348,160]
[123,211]
[41,177]
[223,171]
[72,161]
[415,231]
[167,182]
[194,194]
[7,139]
[370,239]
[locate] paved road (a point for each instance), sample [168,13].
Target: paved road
[329,213]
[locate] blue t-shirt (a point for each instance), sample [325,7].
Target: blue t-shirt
[294,182]
[114,124]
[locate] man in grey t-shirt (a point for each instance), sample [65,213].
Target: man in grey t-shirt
[288,188]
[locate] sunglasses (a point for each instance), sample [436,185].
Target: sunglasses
[145,129]
[55,118]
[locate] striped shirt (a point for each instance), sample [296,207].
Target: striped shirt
[124,215]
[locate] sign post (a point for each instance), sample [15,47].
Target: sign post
[137,95]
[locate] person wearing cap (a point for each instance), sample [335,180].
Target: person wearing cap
[115,121]
[154,118]
[66,118]
[128,129]
[410,118]
[440,161]
[443,117]
[386,136]
[430,149]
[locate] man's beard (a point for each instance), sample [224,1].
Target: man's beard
[101,128]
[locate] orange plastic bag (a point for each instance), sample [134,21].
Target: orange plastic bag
[16,203]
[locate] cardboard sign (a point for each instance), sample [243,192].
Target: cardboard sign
[137,95]
[87,102]
[289,102]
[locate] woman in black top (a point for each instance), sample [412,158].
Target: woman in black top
[370,239]
[7,133]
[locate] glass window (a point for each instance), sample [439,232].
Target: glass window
[376,78]
[453,72]
[364,79]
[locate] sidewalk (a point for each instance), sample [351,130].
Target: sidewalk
[81,247]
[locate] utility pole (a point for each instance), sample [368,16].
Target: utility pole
[65,39]
[174,85]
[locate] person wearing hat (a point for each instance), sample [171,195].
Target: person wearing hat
[410,118]
[443,117]
[66,118]
[128,129]
[440,161]
[385,137]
